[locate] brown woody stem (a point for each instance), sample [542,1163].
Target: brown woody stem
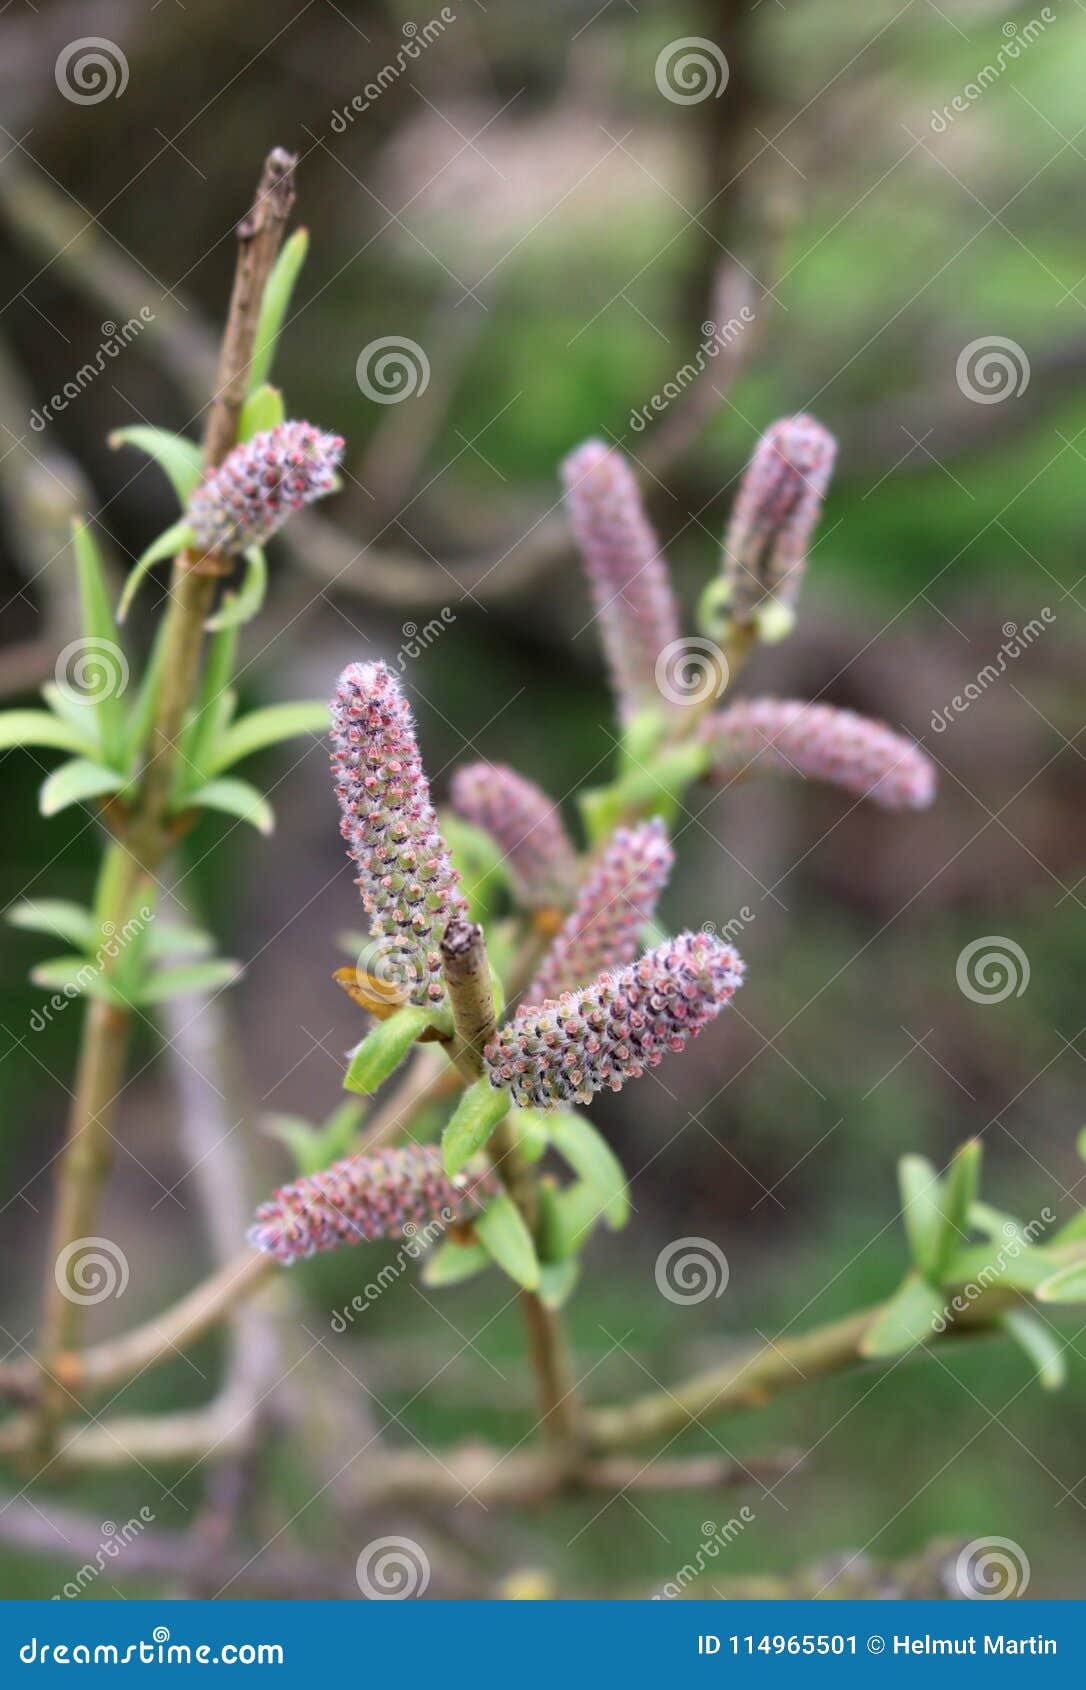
[467,978]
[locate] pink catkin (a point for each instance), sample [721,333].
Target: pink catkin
[527,828]
[617,899]
[259,484]
[406,877]
[626,571]
[364,1198]
[775,512]
[821,742]
[610,1032]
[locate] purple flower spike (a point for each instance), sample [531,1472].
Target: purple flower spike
[400,1193]
[406,877]
[626,571]
[776,509]
[526,826]
[782,736]
[259,484]
[597,1039]
[617,899]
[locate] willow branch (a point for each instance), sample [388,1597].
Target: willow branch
[467,978]
[148,836]
[755,1378]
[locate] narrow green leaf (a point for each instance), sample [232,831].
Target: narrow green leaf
[38,727]
[215,708]
[76,976]
[589,1155]
[1040,1343]
[919,1186]
[557,1282]
[1011,1263]
[451,1263]
[314,1148]
[77,712]
[75,781]
[234,798]
[298,1135]
[262,410]
[384,1048]
[480,1109]
[641,739]
[102,647]
[957,1193]
[503,1234]
[67,921]
[274,305]
[913,1315]
[141,716]
[1066,1286]
[266,727]
[240,607]
[168,939]
[181,459]
[1071,1231]
[996,1223]
[567,1219]
[191,977]
[533,1133]
[336,1132]
[655,790]
[168,544]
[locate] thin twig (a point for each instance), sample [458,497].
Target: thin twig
[148,837]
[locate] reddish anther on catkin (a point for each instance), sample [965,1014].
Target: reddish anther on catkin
[626,570]
[604,928]
[610,1032]
[784,736]
[406,876]
[395,1194]
[774,516]
[258,486]
[527,828]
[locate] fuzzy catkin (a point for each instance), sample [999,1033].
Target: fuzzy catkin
[406,877]
[611,1031]
[363,1198]
[626,570]
[617,899]
[527,828]
[260,483]
[774,516]
[821,742]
